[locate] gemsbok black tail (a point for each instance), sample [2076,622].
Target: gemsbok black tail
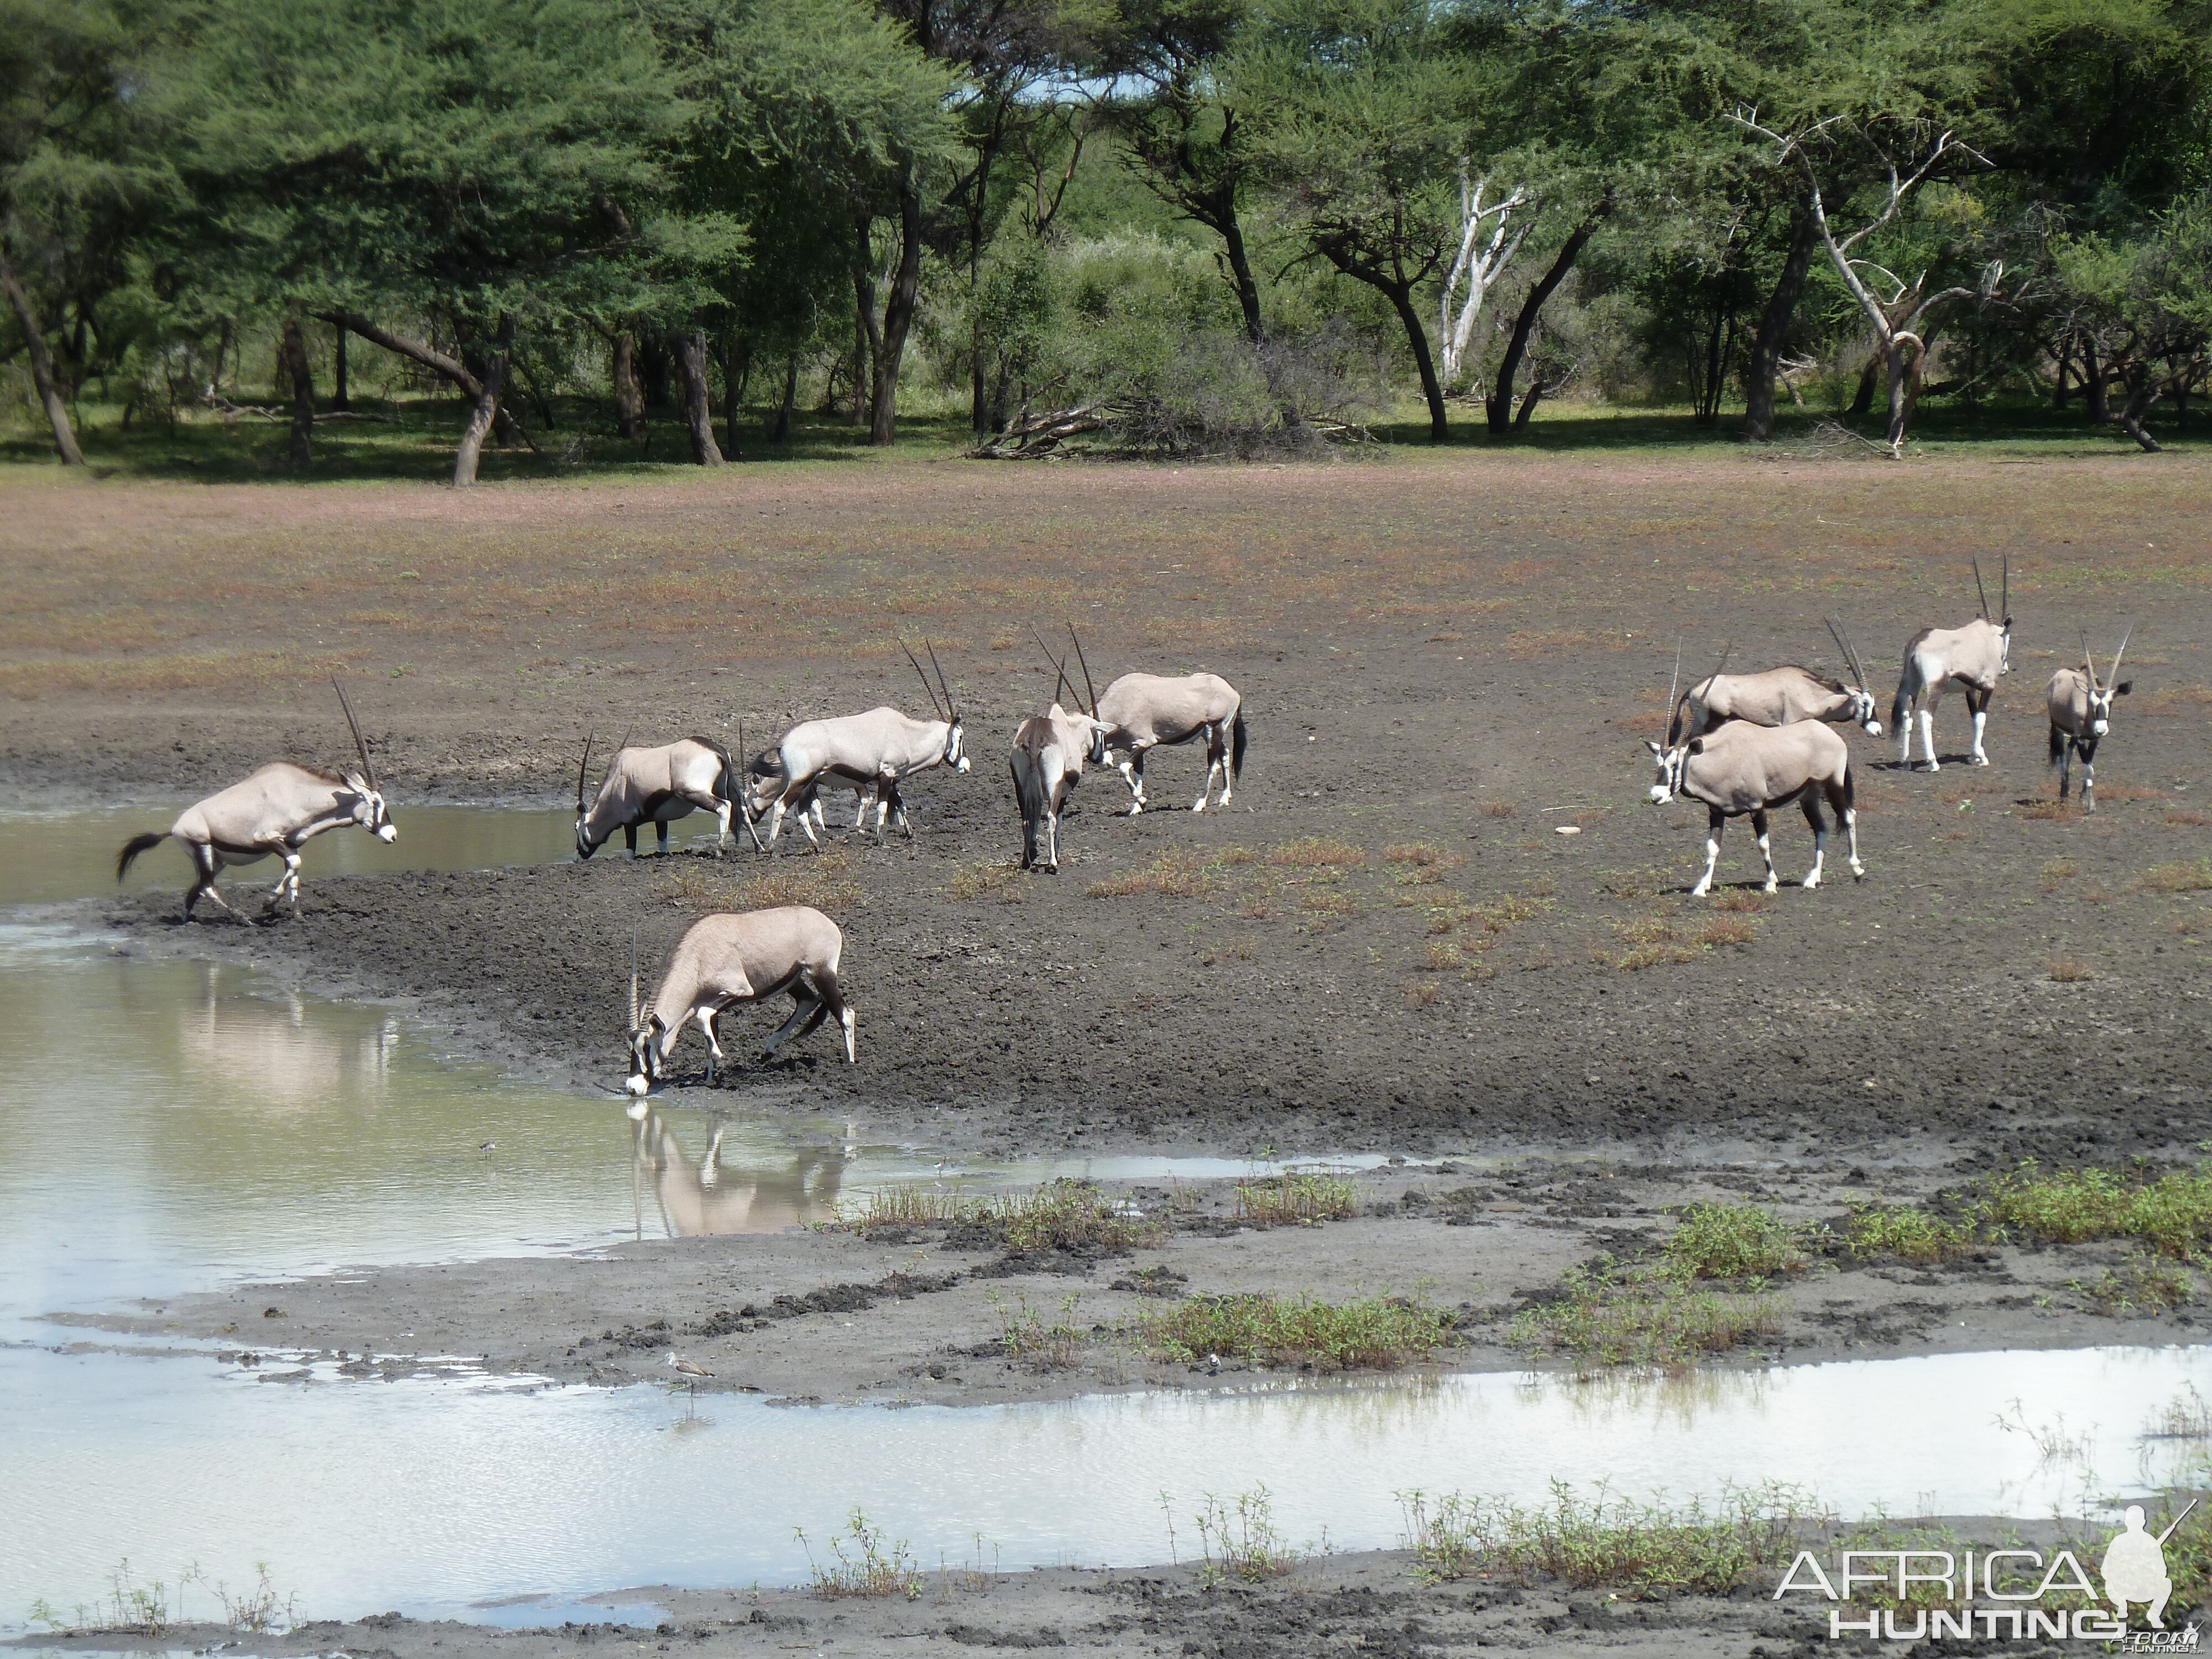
[2057,745]
[1237,747]
[134,846]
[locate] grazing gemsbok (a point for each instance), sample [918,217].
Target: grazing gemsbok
[1143,711]
[1973,656]
[861,752]
[656,787]
[1741,767]
[1776,696]
[277,810]
[723,960]
[2080,716]
[1050,750]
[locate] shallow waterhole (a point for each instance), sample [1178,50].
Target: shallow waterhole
[172,1126]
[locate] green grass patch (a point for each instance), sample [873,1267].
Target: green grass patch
[1734,1241]
[1290,1200]
[2172,1213]
[1031,1342]
[1646,1551]
[1374,1334]
[2145,1285]
[1878,1230]
[1067,1215]
[1608,1315]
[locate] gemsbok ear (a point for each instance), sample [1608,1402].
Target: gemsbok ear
[1697,745]
[1652,747]
[2124,688]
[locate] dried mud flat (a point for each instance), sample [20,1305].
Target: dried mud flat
[1386,946]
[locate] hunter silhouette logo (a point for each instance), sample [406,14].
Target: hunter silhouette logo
[2000,1593]
[2135,1567]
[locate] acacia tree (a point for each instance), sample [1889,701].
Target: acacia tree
[460,160]
[2144,303]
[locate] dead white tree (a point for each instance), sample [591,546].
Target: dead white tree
[1475,270]
[1900,320]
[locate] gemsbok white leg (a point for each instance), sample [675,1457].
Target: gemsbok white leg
[1928,739]
[2089,781]
[1714,825]
[1758,827]
[1981,720]
[713,1044]
[1852,829]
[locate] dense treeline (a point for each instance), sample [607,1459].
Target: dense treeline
[1215,224]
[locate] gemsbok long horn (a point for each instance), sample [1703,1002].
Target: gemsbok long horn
[1672,687]
[950,709]
[368,766]
[2112,673]
[934,708]
[2088,662]
[1089,690]
[633,976]
[583,769]
[2004,589]
[1981,592]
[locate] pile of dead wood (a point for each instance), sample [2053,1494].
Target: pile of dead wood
[1030,437]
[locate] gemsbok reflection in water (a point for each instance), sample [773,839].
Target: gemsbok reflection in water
[704,1197]
[274,1050]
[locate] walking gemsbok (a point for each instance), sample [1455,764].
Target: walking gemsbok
[1141,712]
[1973,657]
[1777,697]
[2080,708]
[1740,768]
[723,960]
[859,751]
[275,811]
[1050,750]
[656,787]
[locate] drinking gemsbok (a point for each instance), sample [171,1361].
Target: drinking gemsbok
[1742,768]
[656,787]
[1050,750]
[1973,657]
[723,960]
[1143,711]
[872,750]
[1777,697]
[2080,714]
[275,811]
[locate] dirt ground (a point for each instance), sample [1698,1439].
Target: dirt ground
[1389,943]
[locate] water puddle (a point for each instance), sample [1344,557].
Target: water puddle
[436,1499]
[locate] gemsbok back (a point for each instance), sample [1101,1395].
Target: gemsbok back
[275,811]
[723,960]
[2080,714]
[1141,712]
[1972,657]
[1777,697]
[861,751]
[1740,768]
[1050,750]
[657,786]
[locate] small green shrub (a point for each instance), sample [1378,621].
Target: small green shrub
[1608,1315]
[1377,1333]
[1734,1241]
[859,1565]
[1296,1200]
[1908,1235]
[2172,1213]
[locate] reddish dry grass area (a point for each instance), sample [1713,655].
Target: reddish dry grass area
[139,587]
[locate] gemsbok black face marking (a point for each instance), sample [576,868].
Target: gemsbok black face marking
[1738,767]
[864,752]
[1974,658]
[723,960]
[657,786]
[2080,709]
[276,812]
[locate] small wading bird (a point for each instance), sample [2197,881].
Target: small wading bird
[872,750]
[1778,695]
[2080,714]
[1972,657]
[1050,750]
[723,960]
[1744,768]
[656,787]
[277,811]
[1143,711]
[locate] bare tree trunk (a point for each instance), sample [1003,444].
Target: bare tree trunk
[340,386]
[292,354]
[698,407]
[1401,301]
[486,409]
[737,374]
[781,432]
[42,366]
[1240,272]
[1904,392]
[1767,339]
[898,312]
[2092,384]
[2141,396]
[868,336]
[629,397]
[1499,405]
[2062,356]
[1862,400]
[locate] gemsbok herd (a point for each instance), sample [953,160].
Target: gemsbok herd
[1746,745]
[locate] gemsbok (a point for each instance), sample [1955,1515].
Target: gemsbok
[859,752]
[275,811]
[2080,714]
[1050,750]
[723,960]
[656,787]
[1141,712]
[1972,657]
[1742,768]
[1776,696]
